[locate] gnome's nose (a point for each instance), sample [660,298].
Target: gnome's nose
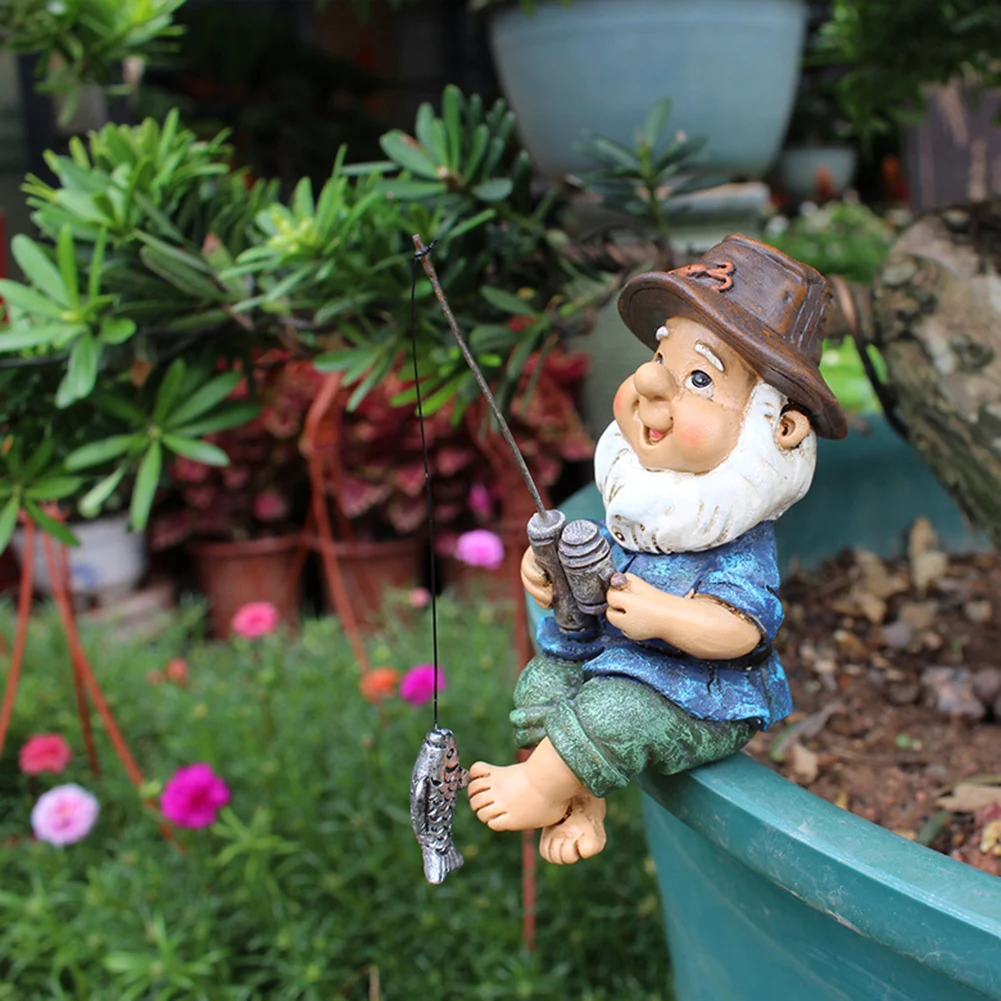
[655,382]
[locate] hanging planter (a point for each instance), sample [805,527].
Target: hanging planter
[730,66]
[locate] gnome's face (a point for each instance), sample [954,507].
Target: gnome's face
[683,410]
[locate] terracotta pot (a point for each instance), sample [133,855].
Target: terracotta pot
[369,569]
[234,573]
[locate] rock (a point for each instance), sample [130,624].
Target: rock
[927,569]
[920,615]
[931,640]
[851,645]
[898,634]
[949,690]
[873,608]
[803,761]
[978,612]
[904,695]
[968,797]
[987,685]
[875,578]
[922,538]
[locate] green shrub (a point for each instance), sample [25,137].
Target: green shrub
[310,884]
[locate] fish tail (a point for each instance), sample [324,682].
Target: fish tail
[437,865]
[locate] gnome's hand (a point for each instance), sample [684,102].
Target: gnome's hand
[535,580]
[635,607]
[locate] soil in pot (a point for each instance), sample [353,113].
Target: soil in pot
[895,669]
[233,574]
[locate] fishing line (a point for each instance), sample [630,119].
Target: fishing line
[427,467]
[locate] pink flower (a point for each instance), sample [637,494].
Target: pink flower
[256,619]
[480,548]
[420,597]
[270,506]
[480,502]
[64,815]
[193,796]
[45,752]
[417,686]
[177,672]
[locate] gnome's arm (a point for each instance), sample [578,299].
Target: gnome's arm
[700,625]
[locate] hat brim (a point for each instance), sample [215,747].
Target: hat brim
[648,300]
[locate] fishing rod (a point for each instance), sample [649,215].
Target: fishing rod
[575,557]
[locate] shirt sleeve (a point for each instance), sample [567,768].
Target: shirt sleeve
[746,578]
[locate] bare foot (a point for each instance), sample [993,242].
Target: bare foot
[535,793]
[580,835]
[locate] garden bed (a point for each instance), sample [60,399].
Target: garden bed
[894,672]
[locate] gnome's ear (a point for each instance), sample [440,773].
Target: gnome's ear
[792,428]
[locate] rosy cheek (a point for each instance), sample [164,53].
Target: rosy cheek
[624,398]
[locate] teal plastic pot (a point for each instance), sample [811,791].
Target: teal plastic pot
[770,892]
[730,66]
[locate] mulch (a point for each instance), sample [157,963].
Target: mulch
[895,669]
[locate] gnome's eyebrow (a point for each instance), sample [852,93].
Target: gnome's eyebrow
[709,355]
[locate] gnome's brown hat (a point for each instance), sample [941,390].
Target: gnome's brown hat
[768,307]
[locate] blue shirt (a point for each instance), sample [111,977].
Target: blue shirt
[742,574]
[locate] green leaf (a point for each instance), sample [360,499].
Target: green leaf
[54,488]
[82,372]
[147,480]
[91,503]
[117,407]
[407,152]
[50,526]
[29,300]
[227,416]
[101,451]
[39,269]
[507,302]
[405,190]
[477,147]
[39,461]
[8,520]
[611,152]
[180,273]
[199,451]
[494,190]
[18,338]
[67,264]
[117,330]
[655,122]
[169,388]
[203,399]
[451,113]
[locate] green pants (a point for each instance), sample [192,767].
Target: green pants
[608,729]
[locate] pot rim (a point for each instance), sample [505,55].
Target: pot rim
[245,547]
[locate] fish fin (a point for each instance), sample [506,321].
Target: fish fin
[437,865]
[464,778]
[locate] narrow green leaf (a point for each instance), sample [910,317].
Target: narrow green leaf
[203,399]
[199,451]
[29,300]
[97,264]
[477,147]
[55,488]
[67,264]
[494,190]
[147,480]
[227,416]
[451,113]
[408,153]
[507,302]
[117,329]
[91,503]
[8,520]
[655,122]
[101,451]
[50,526]
[39,461]
[114,405]
[39,269]
[82,372]
[19,338]
[170,387]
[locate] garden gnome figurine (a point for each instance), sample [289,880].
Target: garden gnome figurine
[713,439]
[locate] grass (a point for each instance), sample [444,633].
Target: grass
[309,886]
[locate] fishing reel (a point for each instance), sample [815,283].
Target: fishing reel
[578,561]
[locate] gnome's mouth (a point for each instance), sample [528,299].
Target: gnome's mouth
[651,435]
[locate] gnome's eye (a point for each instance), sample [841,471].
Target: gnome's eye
[699,380]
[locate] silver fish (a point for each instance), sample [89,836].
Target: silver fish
[434,785]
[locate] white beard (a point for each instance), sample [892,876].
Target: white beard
[664,511]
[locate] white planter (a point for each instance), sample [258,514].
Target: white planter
[109,561]
[730,67]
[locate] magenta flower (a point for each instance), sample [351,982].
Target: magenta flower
[193,796]
[480,548]
[270,506]
[256,619]
[64,815]
[480,502]
[45,752]
[417,686]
